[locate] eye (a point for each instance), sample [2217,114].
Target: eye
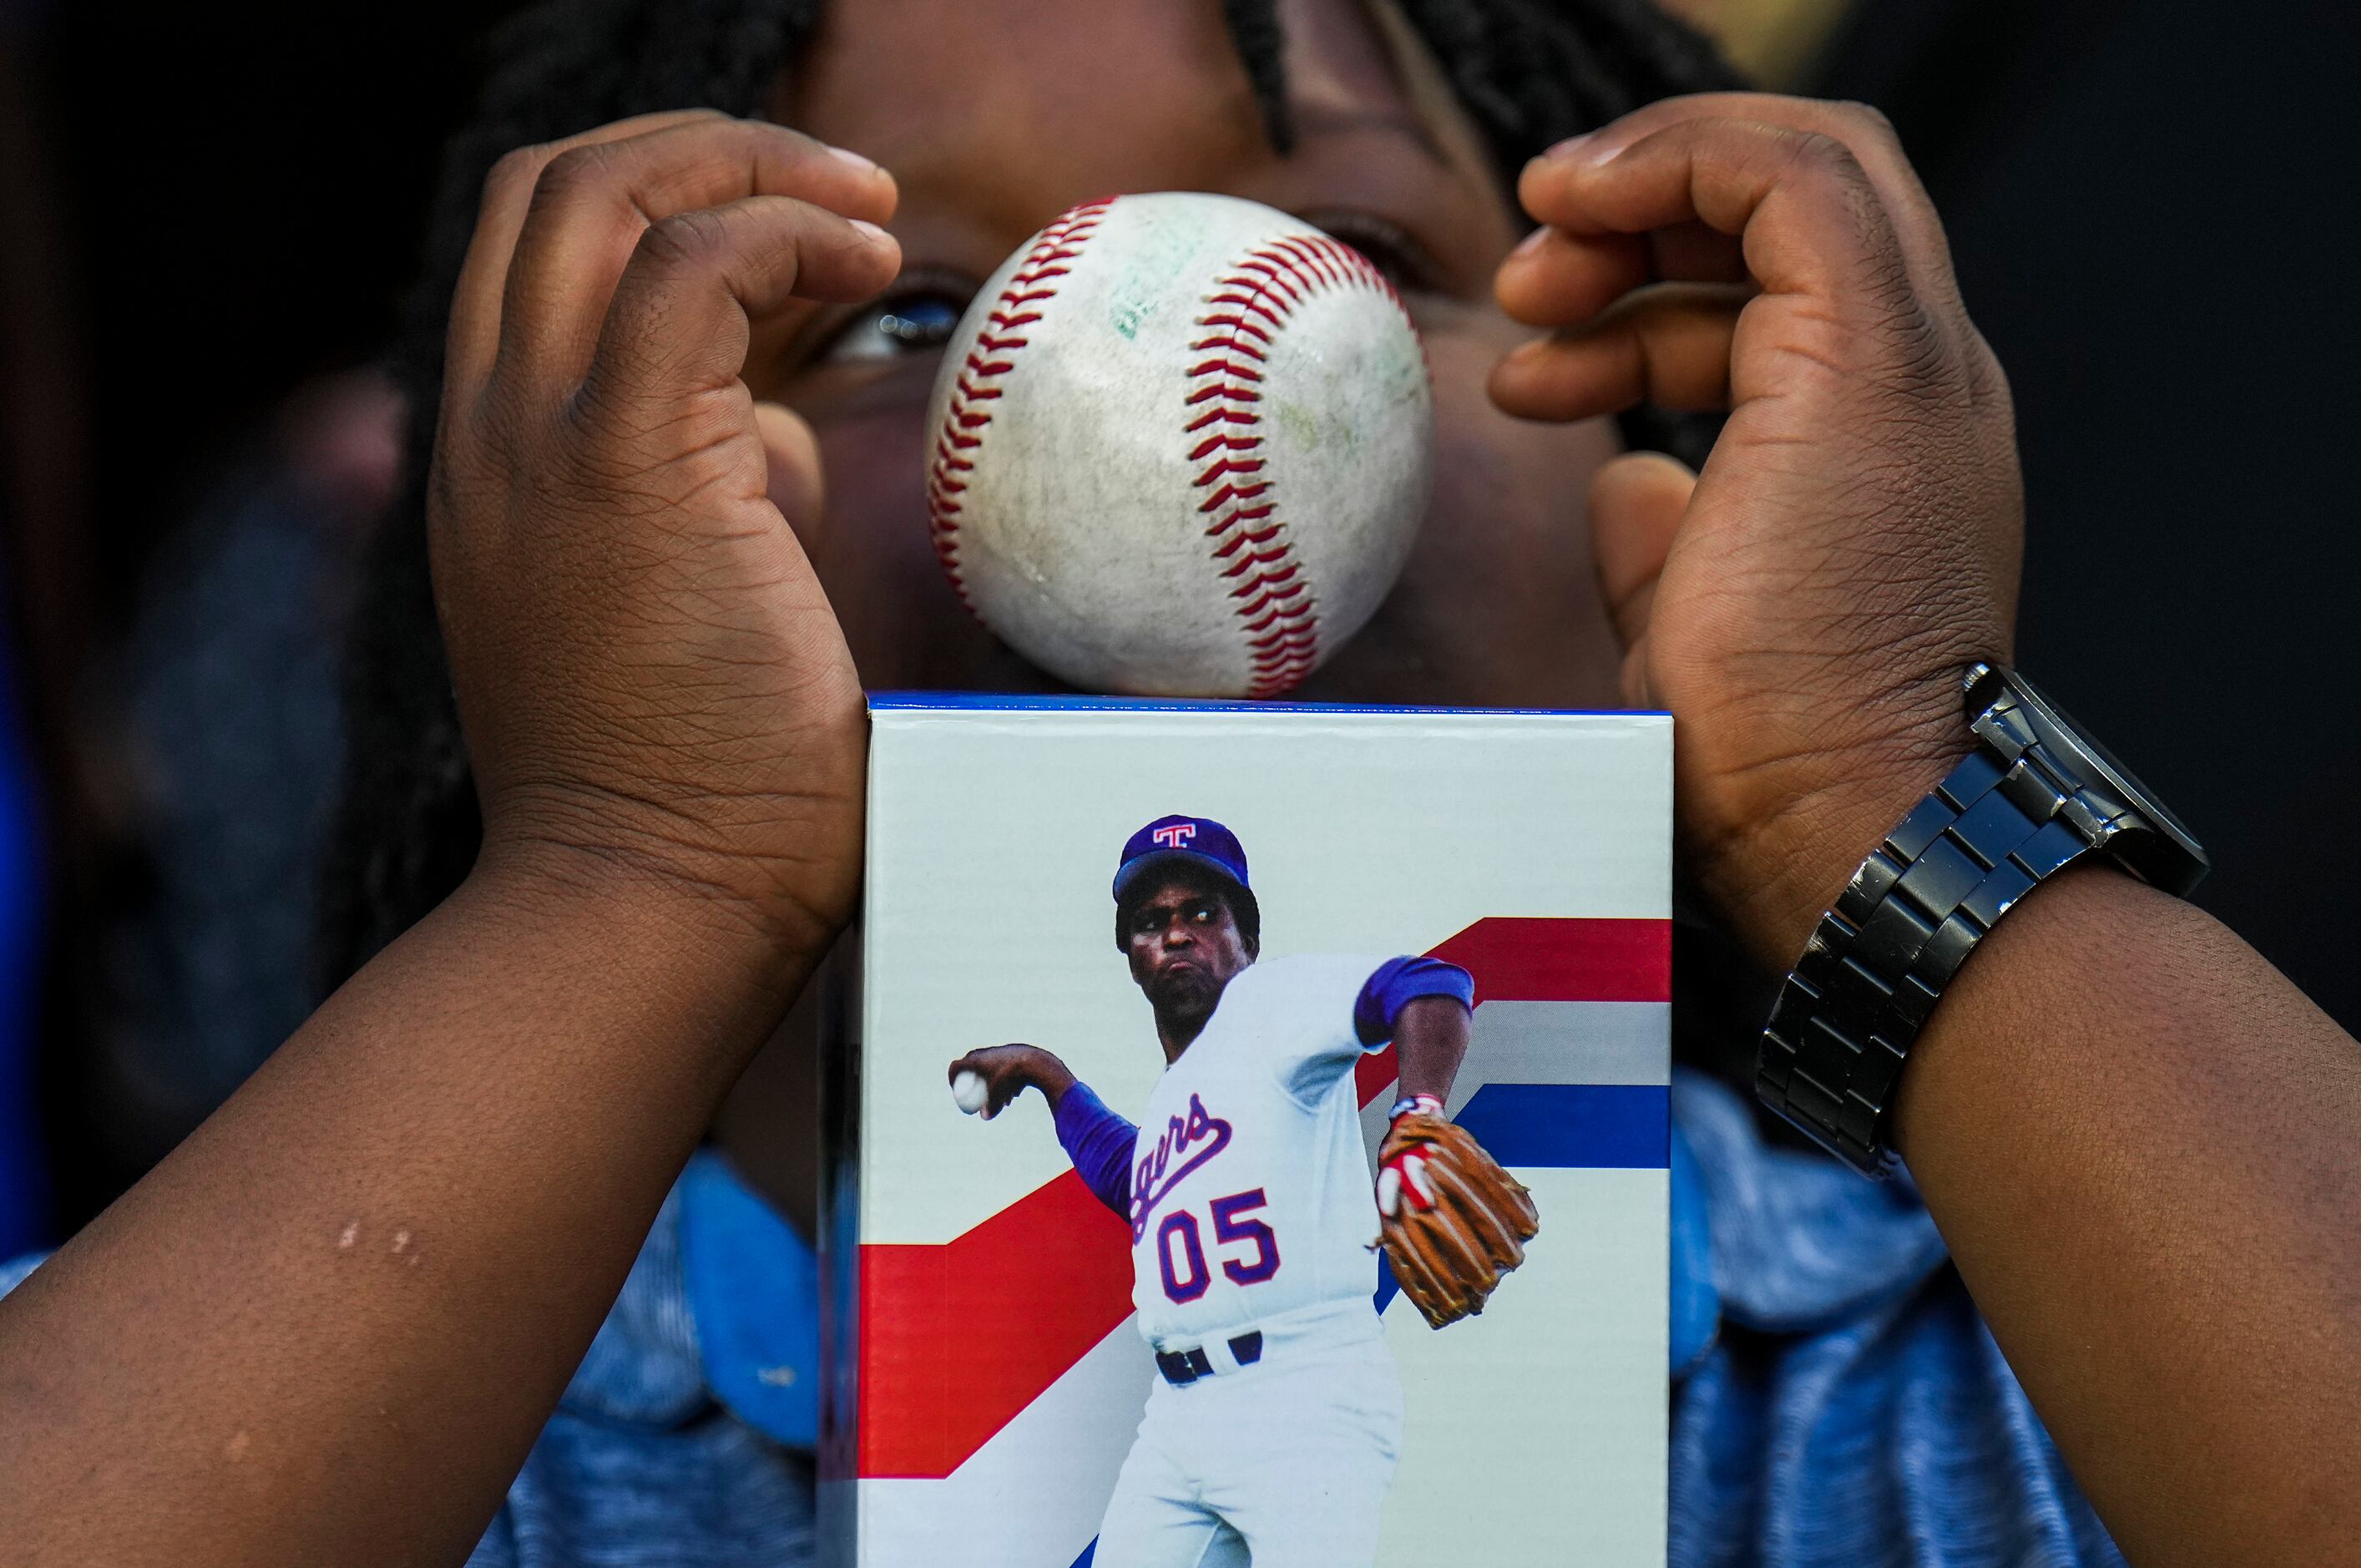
[1406,263]
[918,317]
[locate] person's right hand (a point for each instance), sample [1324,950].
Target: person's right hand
[1009,1070]
[652,686]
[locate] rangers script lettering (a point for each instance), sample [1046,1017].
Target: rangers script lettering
[1183,1135]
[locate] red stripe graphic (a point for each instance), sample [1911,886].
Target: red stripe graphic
[1566,960]
[1547,960]
[956,1338]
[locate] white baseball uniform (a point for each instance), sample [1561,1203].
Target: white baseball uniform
[1251,1210]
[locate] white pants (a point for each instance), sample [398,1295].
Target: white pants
[1282,1463]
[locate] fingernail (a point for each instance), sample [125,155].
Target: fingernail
[1531,243]
[875,233]
[1587,148]
[866,166]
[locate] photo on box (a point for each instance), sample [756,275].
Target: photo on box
[1161,1008]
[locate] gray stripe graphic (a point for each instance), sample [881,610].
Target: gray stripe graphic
[1571,1042]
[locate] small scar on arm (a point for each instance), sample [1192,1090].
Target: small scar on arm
[403,1246]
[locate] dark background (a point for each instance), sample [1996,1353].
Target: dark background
[2148,204]
[203,208]
[241,192]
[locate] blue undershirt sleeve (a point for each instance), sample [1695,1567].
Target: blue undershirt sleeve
[1100,1144]
[1396,984]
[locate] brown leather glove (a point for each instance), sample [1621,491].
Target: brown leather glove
[1452,1220]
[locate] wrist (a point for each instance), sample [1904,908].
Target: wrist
[2035,796]
[1053,1079]
[786,869]
[1805,827]
[666,922]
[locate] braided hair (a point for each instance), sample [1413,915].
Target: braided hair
[1531,72]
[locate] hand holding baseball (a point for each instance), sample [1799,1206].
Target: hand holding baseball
[1804,605]
[984,1081]
[647,671]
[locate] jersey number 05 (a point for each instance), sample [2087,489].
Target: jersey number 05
[1180,1250]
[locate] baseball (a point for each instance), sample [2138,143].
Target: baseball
[1180,447]
[969,1092]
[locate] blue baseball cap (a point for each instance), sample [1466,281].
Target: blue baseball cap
[1199,840]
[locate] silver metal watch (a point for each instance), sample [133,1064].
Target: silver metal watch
[2035,796]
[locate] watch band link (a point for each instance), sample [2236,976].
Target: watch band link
[2005,818]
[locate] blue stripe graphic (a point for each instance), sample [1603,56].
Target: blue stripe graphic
[1589,1126]
[1388,1286]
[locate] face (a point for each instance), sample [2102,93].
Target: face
[1184,943]
[997,115]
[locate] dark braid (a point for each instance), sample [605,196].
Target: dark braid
[1261,46]
[1531,72]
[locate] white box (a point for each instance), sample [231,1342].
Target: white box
[987,1372]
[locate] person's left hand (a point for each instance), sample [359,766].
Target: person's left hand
[1804,605]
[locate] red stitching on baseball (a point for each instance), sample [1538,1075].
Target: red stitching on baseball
[965,420]
[1275,605]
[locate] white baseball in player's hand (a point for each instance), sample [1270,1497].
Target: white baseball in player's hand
[969,1092]
[1180,447]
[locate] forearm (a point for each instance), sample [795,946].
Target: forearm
[2143,1148]
[1053,1079]
[1098,1142]
[1430,1042]
[2137,1138]
[329,1326]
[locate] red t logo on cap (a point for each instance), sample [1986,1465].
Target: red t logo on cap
[1175,837]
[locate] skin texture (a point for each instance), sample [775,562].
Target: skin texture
[328,1328]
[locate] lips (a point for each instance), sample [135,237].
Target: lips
[1182,982]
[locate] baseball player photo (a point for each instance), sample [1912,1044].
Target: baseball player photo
[1322,1224]
[1276,1423]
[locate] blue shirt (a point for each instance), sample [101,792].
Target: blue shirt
[1837,1402]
